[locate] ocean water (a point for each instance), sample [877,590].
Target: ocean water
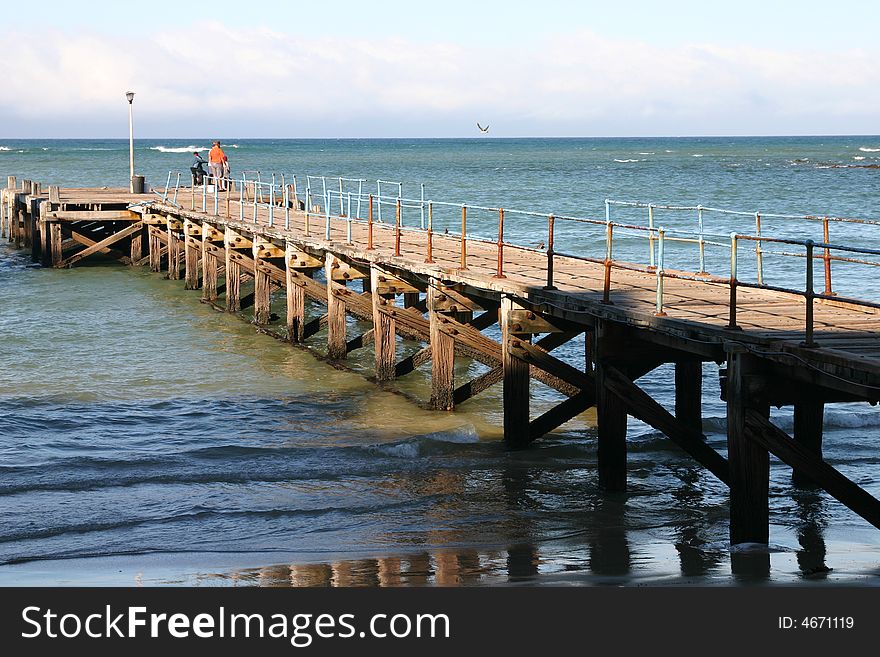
[146,438]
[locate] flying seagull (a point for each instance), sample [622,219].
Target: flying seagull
[482,129]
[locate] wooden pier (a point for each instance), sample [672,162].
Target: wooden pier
[776,348]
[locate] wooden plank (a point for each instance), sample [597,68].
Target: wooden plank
[442,354]
[384,324]
[770,438]
[69,262]
[336,340]
[749,462]
[516,381]
[641,406]
[102,215]
[808,419]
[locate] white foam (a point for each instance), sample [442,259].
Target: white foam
[858,157]
[646,153]
[696,155]
[865,149]
[178,149]
[5,148]
[616,160]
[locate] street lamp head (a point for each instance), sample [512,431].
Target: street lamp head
[130,96]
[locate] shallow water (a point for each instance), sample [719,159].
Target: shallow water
[147,438]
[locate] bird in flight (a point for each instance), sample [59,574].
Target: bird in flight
[482,129]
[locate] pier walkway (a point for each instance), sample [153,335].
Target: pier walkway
[778,345]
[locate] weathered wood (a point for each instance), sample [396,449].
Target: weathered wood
[233,273]
[35,229]
[192,250]
[749,462]
[770,438]
[137,245]
[366,338]
[45,237]
[112,239]
[561,413]
[640,405]
[83,235]
[442,355]
[262,289]
[611,416]
[384,327]
[54,194]
[808,419]
[96,215]
[516,381]
[336,341]
[55,243]
[210,269]
[173,251]
[296,298]
[689,393]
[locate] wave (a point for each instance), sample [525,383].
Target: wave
[696,155]
[858,157]
[645,153]
[5,148]
[180,149]
[616,160]
[865,149]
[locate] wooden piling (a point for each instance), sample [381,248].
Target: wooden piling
[749,463]
[35,229]
[689,393]
[262,286]
[233,274]
[611,415]
[385,338]
[442,354]
[173,251]
[336,341]
[296,298]
[516,378]
[808,419]
[209,264]
[192,247]
[55,240]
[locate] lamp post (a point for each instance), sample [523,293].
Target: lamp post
[130,96]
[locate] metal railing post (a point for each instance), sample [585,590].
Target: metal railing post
[759,252]
[308,204]
[827,257]
[370,226]
[422,205]
[350,219]
[167,185]
[651,234]
[286,192]
[360,195]
[430,258]
[550,225]
[702,242]
[241,193]
[499,267]
[379,201]
[731,320]
[327,215]
[606,288]
[272,202]
[658,311]
[463,263]
[205,193]
[258,191]
[397,230]
[217,197]
[192,193]
[809,295]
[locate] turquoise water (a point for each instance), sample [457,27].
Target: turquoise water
[148,438]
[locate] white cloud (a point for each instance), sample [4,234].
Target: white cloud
[576,83]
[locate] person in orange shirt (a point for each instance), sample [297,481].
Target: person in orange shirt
[216,160]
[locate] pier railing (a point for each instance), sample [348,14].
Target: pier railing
[325,199]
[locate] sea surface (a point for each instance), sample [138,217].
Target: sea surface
[147,439]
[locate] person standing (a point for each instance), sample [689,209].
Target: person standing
[198,171]
[216,161]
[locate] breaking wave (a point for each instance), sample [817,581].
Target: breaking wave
[178,149]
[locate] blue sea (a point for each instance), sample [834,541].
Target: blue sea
[146,438]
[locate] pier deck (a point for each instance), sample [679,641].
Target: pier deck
[777,347]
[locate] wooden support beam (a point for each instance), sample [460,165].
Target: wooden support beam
[296,298]
[137,245]
[384,326]
[94,215]
[209,264]
[314,326]
[336,342]
[69,262]
[408,364]
[689,393]
[387,283]
[192,250]
[343,272]
[262,283]
[808,419]
[173,250]
[411,300]
[641,406]
[611,415]
[516,380]
[561,413]
[366,338]
[154,238]
[749,462]
[442,354]
[477,385]
[89,238]
[233,273]
[55,242]
[770,438]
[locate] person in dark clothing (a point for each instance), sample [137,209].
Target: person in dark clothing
[197,168]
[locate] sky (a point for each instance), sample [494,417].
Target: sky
[342,69]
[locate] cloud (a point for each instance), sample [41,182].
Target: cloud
[252,82]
